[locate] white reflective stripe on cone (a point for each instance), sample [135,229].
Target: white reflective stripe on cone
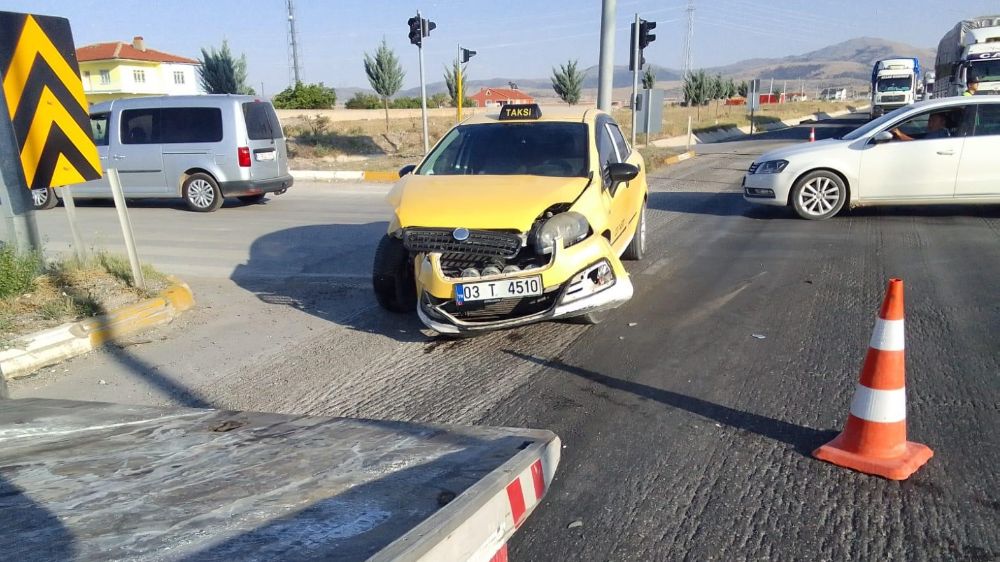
[886,406]
[888,335]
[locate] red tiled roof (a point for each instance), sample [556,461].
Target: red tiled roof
[122,50]
[504,92]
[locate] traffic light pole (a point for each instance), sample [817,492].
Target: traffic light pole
[15,197]
[635,73]
[458,83]
[606,70]
[423,86]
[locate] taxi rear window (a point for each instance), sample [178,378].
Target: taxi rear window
[551,149]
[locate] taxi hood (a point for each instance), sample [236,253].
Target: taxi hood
[483,202]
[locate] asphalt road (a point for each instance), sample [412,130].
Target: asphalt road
[686,436]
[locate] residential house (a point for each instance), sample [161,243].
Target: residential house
[491,97]
[128,70]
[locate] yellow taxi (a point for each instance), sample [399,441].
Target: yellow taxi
[513,218]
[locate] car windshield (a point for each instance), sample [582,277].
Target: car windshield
[873,125]
[986,70]
[502,149]
[894,85]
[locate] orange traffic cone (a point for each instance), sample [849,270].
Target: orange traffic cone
[812,134]
[874,438]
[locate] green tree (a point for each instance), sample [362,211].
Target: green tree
[306,96]
[567,82]
[696,89]
[385,75]
[743,89]
[362,100]
[451,81]
[716,88]
[221,73]
[648,78]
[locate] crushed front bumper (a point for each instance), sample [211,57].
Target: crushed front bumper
[563,279]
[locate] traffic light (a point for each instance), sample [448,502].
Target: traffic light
[415,34]
[466,55]
[428,26]
[645,37]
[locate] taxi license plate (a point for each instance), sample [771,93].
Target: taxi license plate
[488,290]
[265,156]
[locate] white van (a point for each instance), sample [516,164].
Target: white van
[200,148]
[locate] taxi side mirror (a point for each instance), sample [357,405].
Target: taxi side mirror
[407,169]
[622,171]
[882,137]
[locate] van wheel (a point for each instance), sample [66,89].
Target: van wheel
[392,276]
[251,199]
[202,193]
[43,198]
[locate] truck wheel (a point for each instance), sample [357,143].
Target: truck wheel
[202,193]
[43,199]
[392,276]
[636,249]
[819,195]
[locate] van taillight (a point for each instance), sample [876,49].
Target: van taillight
[243,154]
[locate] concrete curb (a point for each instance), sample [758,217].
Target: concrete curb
[730,133]
[670,160]
[57,344]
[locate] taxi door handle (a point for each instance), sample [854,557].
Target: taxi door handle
[946,152]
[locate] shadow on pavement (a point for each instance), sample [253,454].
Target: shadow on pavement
[175,203]
[802,439]
[720,204]
[28,531]
[325,271]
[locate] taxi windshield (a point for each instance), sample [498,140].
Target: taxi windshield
[553,149]
[894,84]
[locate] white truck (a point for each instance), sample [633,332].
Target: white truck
[972,47]
[95,481]
[928,90]
[894,84]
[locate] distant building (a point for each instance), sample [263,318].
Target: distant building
[833,94]
[491,97]
[128,70]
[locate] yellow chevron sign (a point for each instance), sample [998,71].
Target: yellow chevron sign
[41,83]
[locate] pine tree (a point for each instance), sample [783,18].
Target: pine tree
[220,73]
[385,75]
[648,78]
[451,82]
[567,82]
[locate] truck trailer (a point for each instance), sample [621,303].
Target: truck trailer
[894,84]
[971,48]
[97,481]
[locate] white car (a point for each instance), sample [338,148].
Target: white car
[940,151]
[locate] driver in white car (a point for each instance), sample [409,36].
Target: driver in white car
[937,128]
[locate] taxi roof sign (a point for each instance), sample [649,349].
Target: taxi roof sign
[520,111]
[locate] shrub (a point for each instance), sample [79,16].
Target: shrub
[306,96]
[17,271]
[361,100]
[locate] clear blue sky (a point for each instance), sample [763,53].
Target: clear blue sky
[520,41]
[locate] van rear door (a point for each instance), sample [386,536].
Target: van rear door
[268,154]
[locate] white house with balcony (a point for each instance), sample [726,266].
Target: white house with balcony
[127,70]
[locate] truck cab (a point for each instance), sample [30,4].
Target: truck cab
[894,84]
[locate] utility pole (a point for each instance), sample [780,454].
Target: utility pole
[293,42]
[423,86]
[689,40]
[606,70]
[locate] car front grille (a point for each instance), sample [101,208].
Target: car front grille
[891,99]
[480,243]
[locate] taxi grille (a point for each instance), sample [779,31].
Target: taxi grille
[480,243]
[891,99]
[501,309]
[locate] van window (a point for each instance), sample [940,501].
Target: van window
[262,123]
[99,128]
[140,126]
[190,124]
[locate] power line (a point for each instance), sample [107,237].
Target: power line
[295,74]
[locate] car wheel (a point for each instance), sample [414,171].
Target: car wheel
[43,198]
[636,249]
[392,276]
[251,199]
[202,193]
[819,195]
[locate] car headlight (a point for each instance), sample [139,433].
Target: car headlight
[771,167]
[570,226]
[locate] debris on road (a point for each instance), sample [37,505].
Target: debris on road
[575,524]
[758,336]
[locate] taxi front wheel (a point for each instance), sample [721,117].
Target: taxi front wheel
[392,276]
[637,247]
